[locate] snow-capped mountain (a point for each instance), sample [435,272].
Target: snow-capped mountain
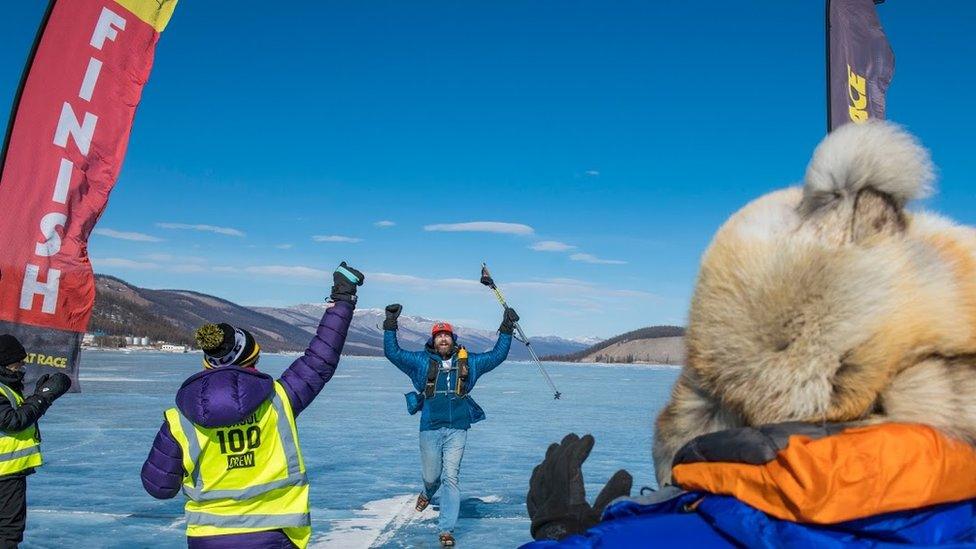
[366,332]
[588,341]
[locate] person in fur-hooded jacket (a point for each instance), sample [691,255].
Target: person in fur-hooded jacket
[231,443]
[832,302]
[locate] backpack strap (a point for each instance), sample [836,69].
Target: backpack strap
[462,368]
[431,385]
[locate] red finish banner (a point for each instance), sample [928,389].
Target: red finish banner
[67,138]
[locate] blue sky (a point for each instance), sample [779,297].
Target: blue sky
[627,131]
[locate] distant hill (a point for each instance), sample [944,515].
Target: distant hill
[172,315]
[366,332]
[655,344]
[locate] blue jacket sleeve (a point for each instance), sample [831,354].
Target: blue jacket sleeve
[482,363]
[307,376]
[408,362]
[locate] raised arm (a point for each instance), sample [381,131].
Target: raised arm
[482,363]
[406,361]
[306,377]
[49,387]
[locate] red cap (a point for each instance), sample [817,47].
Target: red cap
[439,327]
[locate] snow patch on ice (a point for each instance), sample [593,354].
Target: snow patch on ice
[375,524]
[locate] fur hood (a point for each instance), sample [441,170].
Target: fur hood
[830,302]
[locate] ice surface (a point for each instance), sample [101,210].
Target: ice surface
[360,448]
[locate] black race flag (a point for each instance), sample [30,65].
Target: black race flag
[860,62]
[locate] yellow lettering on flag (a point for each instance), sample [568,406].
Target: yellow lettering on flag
[47,360]
[858,93]
[156,13]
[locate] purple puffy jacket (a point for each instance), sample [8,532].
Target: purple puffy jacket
[226,396]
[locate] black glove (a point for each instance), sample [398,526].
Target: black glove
[392,313]
[557,498]
[344,282]
[509,318]
[40,381]
[49,387]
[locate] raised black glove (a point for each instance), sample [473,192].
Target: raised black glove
[557,498]
[392,313]
[509,318]
[50,387]
[345,279]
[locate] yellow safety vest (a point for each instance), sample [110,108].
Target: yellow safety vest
[246,477]
[19,450]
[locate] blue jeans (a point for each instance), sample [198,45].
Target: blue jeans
[441,451]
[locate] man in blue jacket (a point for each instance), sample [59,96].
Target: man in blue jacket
[444,375]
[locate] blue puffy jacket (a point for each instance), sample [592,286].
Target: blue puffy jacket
[445,410]
[707,521]
[803,485]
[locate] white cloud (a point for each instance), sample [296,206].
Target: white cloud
[579,295]
[571,296]
[568,281]
[402,280]
[122,235]
[555,288]
[551,246]
[483,227]
[158,262]
[335,238]
[289,271]
[590,258]
[554,284]
[592,173]
[121,263]
[384,224]
[574,302]
[186,268]
[566,288]
[285,246]
[632,293]
[205,228]
[417,282]
[170,258]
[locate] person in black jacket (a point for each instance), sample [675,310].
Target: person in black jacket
[20,451]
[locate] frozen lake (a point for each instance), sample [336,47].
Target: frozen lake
[360,448]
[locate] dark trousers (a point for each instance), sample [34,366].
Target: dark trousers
[13,510]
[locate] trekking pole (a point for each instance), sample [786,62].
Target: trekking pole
[488,281]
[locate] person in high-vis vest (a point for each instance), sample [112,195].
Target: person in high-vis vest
[20,450]
[231,443]
[444,374]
